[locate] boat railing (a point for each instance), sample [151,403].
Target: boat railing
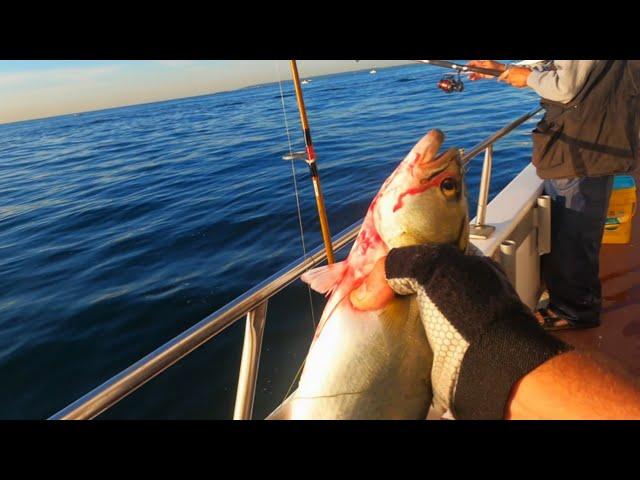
[252,305]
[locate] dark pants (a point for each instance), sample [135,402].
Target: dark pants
[570,271]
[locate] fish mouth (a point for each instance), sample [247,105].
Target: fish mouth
[428,148]
[427,160]
[442,162]
[447,157]
[429,145]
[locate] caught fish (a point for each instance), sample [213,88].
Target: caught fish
[376,364]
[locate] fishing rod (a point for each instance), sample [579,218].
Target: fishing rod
[461,68]
[311,161]
[449,83]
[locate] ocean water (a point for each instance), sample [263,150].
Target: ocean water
[121,228]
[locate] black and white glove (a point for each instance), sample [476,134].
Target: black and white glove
[484,339]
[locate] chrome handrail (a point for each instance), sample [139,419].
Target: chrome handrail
[497,136]
[250,362]
[479,230]
[251,304]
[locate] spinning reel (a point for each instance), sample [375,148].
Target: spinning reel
[451,83]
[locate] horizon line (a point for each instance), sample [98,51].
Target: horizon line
[126,105]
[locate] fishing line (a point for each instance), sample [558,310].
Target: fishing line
[295,187]
[304,248]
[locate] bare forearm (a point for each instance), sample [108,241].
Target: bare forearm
[577,386]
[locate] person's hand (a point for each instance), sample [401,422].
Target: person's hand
[484,339]
[484,64]
[515,76]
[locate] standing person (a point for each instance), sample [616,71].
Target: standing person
[588,133]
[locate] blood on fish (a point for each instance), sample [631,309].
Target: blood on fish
[369,237]
[374,202]
[370,246]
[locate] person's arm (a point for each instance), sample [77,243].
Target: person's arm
[575,386]
[491,358]
[564,83]
[560,84]
[512,74]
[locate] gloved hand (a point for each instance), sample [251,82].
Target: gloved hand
[484,339]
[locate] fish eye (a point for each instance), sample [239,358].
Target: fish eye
[449,186]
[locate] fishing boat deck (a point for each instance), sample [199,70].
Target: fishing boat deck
[618,336]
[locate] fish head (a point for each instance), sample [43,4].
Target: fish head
[425,199]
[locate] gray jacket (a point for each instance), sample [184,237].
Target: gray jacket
[562,80]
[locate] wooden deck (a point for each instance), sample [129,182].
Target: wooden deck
[619,333]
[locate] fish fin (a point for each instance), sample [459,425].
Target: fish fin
[325,279]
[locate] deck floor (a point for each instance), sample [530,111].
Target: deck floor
[618,335]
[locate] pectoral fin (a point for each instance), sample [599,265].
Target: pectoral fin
[325,279]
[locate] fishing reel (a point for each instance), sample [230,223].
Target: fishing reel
[451,83]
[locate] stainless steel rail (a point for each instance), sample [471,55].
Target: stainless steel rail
[252,304]
[497,136]
[479,229]
[250,362]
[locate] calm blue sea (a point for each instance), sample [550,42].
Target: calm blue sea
[121,228]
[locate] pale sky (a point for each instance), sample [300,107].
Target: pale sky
[44,88]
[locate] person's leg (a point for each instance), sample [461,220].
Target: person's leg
[571,270]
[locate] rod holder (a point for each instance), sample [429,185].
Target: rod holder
[479,230]
[543,220]
[250,362]
[508,250]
